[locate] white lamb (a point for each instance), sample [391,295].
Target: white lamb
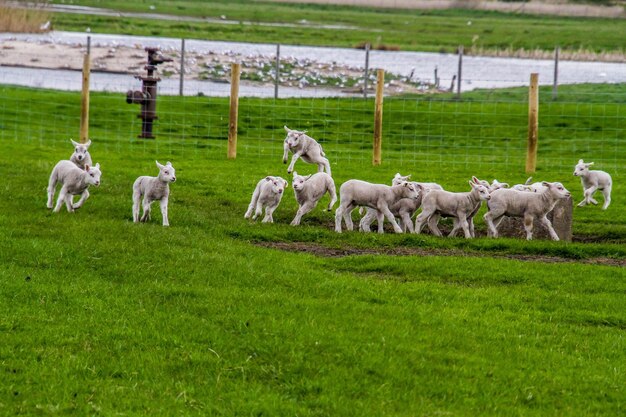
[354,193]
[593,181]
[153,189]
[404,208]
[305,147]
[75,181]
[309,190]
[530,206]
[267,194]
[460,206]
[81,156]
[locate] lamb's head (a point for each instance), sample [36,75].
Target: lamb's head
[93,174]
[277,183]
[582,168]
[556,189]
[398,179]
[81,150]
[410,189]
[496,185]
[167,173]
[298,181]
[483,192]
[293,137]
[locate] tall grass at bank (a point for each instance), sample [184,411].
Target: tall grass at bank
[23,20]
[100,316]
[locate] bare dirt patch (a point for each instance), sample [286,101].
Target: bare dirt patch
[325,252]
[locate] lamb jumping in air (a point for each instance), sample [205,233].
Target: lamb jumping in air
[75,181]
[593,181]
[153,189]
[305,147]
[267,194]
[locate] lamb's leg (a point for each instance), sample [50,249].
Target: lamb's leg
[146,209]
[258,210]
[304,209]
[285,152]
[84,196]
[338,217]
[324,165]
[136,202]
[406,222]
[433,221]
[347,217]
[380,222]
[366,221]
[606,192]
[293,162]
[548,226]
[528,225]
[68,202]
[163,205]
[465,226]
[456,225]
[470,222]
[52,183]
[253,203]
[490,217]
[419,221]
[390,218]
[589,195]
[269,211]
[60,199]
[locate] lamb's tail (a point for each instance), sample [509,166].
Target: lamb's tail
[528,181]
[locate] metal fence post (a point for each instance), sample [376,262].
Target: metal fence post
[277,79]
[460,71]
[555,84]
[182,67]
[367,68]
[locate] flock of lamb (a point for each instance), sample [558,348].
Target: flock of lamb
[400,200]
[403,198]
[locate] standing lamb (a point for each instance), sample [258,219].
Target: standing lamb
[75,181]
[593,181]
[267,194]
[153,189]
[461,206]
[530,206]
[354,193]
[81,156]
[309,190]
[305,147]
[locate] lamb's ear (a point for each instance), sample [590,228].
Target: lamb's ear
[295,174]
[287,129]
[589,164]
[268,178]
[397,175]
[74,143]
[97,165]
[504,184]
[87,168]
[169,164]
[473,184]
[88,144]
[580,161]
[159,165]
[545,183]
[286,183]
[307,177]
[475,180]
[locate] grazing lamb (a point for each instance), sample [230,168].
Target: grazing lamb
[461,206]
[304,147]
[530,206]
[153,189]
[267,194]
[81,156]
[593,181]
[309,190]
[404,208]
[353,193]
[75,181]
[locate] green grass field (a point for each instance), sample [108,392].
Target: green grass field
[349,26]
[217,315]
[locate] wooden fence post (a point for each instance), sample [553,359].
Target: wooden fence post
[234,109]
[533,123]
[378,118]
[84,98]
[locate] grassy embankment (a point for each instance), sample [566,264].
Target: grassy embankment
[433,31]
[100,316]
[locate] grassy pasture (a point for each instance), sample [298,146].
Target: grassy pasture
[99,316]
[349,26]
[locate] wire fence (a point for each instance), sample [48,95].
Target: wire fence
[423,122]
